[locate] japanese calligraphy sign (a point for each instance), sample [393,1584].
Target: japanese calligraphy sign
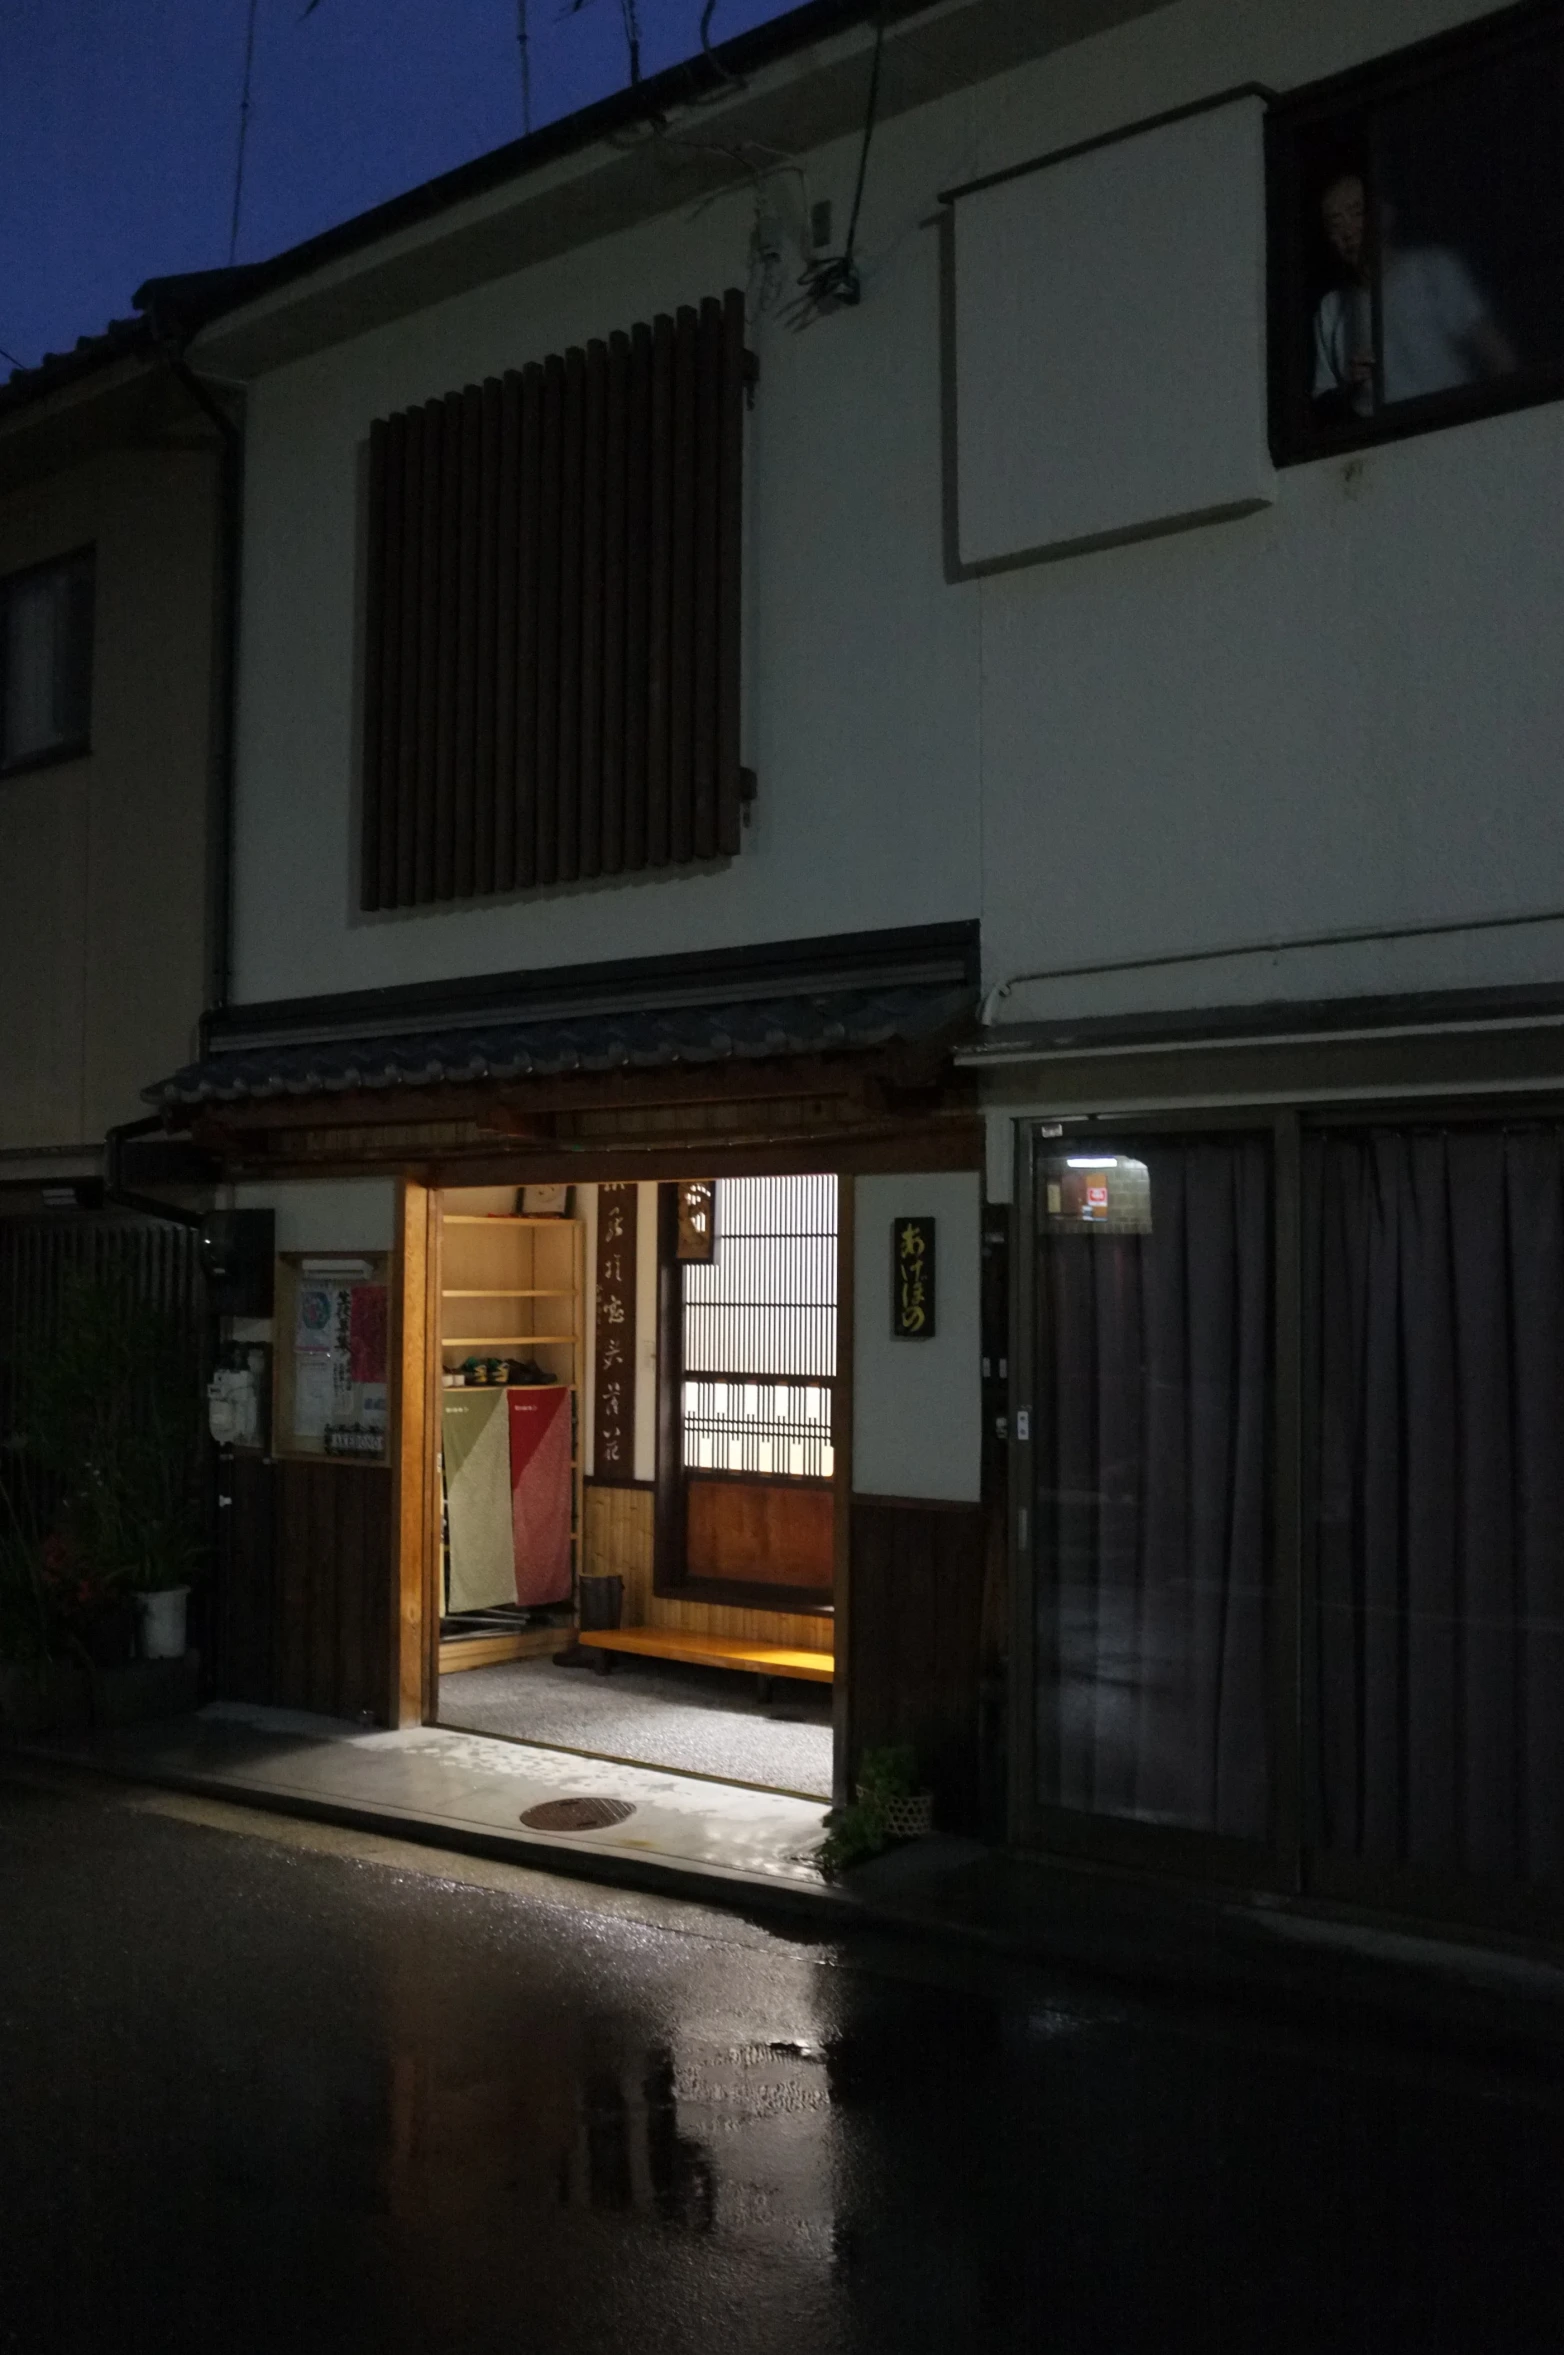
[912,1279]
[697,1219]
[613,1447]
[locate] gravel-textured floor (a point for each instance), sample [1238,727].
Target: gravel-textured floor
[702,1720]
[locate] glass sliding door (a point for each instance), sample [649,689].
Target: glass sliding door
[1150,1450]
[1435,1293]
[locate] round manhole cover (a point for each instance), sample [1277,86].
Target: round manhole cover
[576,1815]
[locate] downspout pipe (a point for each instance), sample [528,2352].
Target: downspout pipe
[123,1197]
[219,972]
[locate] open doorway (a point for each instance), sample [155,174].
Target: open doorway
[640,1487]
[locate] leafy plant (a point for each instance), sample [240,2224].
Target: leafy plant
[862,1830]
[25,1621]
[109,1414]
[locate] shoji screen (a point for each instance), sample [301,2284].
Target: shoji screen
[552,630]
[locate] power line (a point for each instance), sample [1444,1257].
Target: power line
[244,127]
[524,44]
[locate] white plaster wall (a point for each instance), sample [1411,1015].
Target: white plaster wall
[1341,713]
[861,707]
[1110,353]
[917,1414]
[1344,713]
[328,1214]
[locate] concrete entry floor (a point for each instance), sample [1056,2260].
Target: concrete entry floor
[703,1721]
[434,1782]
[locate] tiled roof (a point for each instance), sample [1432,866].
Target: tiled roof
[119,340]
[751,1030]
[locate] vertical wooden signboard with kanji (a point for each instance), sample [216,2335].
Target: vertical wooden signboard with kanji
[912,1279]
[613,1450]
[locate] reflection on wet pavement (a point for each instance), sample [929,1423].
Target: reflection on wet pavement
[266,2086]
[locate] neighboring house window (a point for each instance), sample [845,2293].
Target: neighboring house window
[46,661]
[1417,220]
[552,654]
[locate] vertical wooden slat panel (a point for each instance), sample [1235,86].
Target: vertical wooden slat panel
[376,820]
[659,587]
[681,590]
[568,775]
[408,659]
[546,764]
[594,426]
[730,576]
[464,762]
[703,651]
[638,511]
[507,496]
[446,690]
[553,650]
[613,603]
[529,527]
[428,649]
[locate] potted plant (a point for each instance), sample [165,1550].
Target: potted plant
[110,1412]
[41,1683]
[890,1805]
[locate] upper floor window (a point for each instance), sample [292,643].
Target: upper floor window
[46,661]
[1417,238]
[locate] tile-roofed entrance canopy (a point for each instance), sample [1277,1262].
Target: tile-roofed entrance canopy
[766,1028]
[912,990]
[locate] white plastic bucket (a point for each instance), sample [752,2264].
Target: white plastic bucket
[163,1623]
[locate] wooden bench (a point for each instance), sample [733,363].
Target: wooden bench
[708,1651]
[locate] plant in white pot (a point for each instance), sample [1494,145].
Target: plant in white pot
[111,1415]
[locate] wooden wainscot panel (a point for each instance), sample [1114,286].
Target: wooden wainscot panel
[619,1541]
[245,1615]
[917,1590]
[770,1531]
[304,1607]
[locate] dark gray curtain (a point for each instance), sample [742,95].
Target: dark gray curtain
[1152,1445]
[1438,1292]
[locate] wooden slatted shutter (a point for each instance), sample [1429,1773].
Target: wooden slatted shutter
[552,658]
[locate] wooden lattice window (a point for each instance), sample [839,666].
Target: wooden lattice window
[552,622]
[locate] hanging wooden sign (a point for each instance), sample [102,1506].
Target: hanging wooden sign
[912,1279]
[697,1219]
[613,1441]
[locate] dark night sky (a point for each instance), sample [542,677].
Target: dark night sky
[119,123]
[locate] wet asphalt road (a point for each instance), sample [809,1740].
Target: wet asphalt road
[270,2086]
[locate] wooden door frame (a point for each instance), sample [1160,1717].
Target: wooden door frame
[414,1666]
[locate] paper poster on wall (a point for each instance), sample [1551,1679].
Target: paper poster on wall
[313,1393]
[340,1359]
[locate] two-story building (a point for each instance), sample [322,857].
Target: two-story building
[117,475]
[929,640]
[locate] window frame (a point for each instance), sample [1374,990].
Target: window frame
[1297,434]
[77,747]
[671,1579]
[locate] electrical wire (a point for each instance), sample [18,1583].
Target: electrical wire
[524,44]
[244,129]
[10,358]
[630,19]
[833,283]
